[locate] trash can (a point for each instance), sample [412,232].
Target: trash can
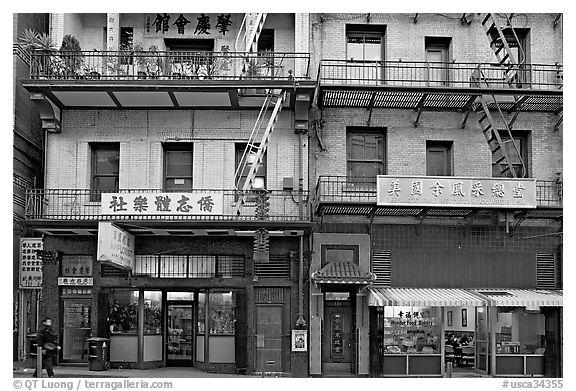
[98,354]
[32,345]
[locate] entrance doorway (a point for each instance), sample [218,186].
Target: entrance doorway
[481,339]
[180,327]
[337,337]
[75,329]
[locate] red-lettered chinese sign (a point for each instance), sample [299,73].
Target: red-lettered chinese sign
[30,263]
[195,203]
[456,192]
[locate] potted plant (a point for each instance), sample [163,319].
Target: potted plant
[46,63]
[71,56]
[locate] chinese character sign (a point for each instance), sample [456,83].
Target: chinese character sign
[75,281]
[195,203]
[199,25]
[30,263]
[456,192]
[115,246]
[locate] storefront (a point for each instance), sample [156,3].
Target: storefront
[524,328]
[407,329]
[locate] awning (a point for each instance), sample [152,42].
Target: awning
[339,272]
[429,297]
[529,298]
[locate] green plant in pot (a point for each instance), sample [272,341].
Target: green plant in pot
[71,55]
[46,63]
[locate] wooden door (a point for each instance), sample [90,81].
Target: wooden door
[436,57]
[269,324]
[337,338]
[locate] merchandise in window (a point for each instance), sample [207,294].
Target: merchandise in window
[411,330]
[221,313]
[123,315]
[520,332]
[152,312]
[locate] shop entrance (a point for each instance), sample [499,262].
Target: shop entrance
[180,327]
[75,329]
[337,336]
[481,337]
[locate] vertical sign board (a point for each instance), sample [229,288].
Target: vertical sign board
[115,246]
[30,263]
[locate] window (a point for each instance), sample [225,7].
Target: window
[364,52]
[438,158]
[410,330]
[189,266]
[123,314]
[365,154]
[105,169]
[126,44]
[260,180]
[152,312]
[178,166]
[521,141]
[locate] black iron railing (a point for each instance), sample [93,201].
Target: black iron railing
[437,74]
[162,65]
[79,204]
[341,189]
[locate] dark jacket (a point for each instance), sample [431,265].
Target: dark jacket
[46,334]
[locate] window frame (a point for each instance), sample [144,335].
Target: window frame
[443,146]
[522,136]
[94,149]
[168,148]
[363,131]
[238,152]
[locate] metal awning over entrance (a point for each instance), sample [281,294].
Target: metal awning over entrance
[429,297]
[529,298]
[341,272]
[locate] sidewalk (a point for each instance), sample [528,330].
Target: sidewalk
[25,369]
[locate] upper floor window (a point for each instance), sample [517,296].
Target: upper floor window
[521,141]
[105,168]
[439,158]
[260,179]
[364,46]
[178,162]
[365,154]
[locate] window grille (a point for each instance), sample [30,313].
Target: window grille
[546,271]
[382,267]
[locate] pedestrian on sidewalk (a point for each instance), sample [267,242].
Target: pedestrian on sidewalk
[47,339]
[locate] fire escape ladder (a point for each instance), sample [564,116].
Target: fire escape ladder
[501,152]
[253,155]
[253,24]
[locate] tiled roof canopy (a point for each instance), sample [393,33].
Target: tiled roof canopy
[341,272]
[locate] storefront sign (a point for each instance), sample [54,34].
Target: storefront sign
[76,266]
[194,203]
[30,263]
[299,338]
[76,281]
[456,192]
[196,24]
[115,246]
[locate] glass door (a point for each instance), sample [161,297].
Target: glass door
[482,340]
[75,329]
[180,326]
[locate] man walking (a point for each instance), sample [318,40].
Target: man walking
[47,340]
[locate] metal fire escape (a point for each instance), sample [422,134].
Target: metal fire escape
[253,155]
[496,129]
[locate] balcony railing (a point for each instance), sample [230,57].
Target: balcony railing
[438,74]
[161,65]
[78,204]
[349,190]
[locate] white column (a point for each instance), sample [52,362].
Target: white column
[57,29]
[301,42]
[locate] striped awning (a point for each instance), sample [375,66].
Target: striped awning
[338,272]
[425,297]
[529,298]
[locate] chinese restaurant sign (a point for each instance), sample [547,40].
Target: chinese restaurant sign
[30,263]
[75,281]
[115,246]
[196,203]
[456,192]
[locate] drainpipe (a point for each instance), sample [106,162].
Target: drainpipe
[301,323]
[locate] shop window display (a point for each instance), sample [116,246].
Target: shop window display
[152,312]
[519,332]
[123,318]
[411,330]
[221,313]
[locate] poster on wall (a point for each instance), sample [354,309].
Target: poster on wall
[299,338]
[30,263]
